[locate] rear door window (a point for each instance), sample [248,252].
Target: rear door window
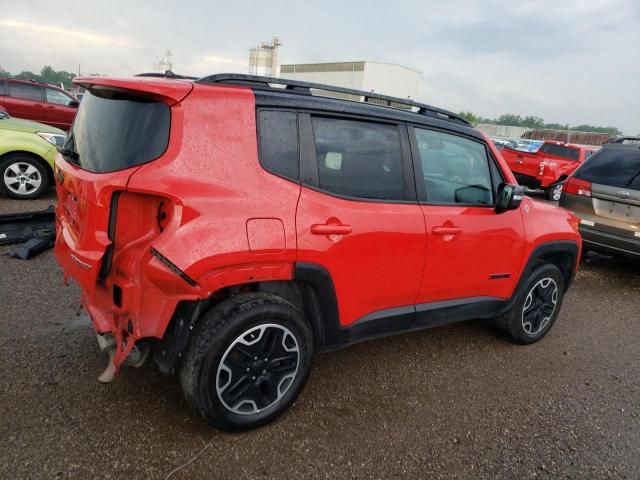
[359,158]
[455,170]
[25,91]
[2,87]
[615,167]
[115,130]
[278,138]
[561,151]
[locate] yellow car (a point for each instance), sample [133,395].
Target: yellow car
[27,150]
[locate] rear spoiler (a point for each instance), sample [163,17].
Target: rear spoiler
[170,91]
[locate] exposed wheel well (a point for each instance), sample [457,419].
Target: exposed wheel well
[565,261]
[178,333]
[34,156]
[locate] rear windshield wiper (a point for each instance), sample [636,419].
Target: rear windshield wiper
[68,153]
[633,177]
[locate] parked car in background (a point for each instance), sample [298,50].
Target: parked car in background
[501,143]
[548,167]
[27,151]
[528,145]
[39,102]
[605,194]
[309,231]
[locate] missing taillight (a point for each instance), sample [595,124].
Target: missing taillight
[117,296]
[163,216]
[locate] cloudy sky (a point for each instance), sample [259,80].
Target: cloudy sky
[570,61]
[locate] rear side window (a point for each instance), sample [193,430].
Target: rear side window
[455,170]
[114,131]
[615,167]
[561,151]
[57,97]
[25,92]
[278,138]
[359,159]
[2,87]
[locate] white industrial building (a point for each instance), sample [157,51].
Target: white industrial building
[379,77]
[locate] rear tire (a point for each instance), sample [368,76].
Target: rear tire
[536,307]
[23,177]
[554,192]
[248,360]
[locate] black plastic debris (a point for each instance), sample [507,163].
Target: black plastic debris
[33,231]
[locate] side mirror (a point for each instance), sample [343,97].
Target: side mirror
[74,104]
[508,197]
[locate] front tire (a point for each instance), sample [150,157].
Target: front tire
[248,361]
[536,307]
[23,177]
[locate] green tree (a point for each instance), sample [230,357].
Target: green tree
[49,75]
[591,128]
[556,126]
[27,75]
[471,117]
[533,122]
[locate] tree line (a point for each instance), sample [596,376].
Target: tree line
[46,75]
[536,122]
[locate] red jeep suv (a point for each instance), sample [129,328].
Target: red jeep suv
[233,226]
[39,102]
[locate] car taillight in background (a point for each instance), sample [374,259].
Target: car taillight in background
[578,187]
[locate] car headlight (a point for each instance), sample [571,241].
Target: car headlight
[56,138]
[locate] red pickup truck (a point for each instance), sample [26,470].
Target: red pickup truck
[547,168]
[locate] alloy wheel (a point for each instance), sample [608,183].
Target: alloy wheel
[539,306]
[556,192]
[257,369]
[22,178]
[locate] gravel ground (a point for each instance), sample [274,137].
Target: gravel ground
[456,401]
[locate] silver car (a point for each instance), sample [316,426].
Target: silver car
[604,193]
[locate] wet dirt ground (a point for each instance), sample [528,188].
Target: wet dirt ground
[451,402]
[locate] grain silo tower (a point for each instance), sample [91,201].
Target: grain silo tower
[165,64]
[263,59]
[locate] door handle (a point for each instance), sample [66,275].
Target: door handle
[446,230]
[330,229]
[519,162]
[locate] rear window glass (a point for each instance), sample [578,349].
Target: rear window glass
[614,167]
[114,131]
[25,92]
[560,151]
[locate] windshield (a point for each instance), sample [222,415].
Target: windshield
[115,130]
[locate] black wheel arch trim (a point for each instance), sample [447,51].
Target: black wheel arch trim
[550,248]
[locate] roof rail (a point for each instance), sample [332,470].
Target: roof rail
[305,88]
[167,74]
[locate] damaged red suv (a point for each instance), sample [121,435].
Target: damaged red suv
[231,227]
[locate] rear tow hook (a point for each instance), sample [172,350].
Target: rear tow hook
[135,359]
